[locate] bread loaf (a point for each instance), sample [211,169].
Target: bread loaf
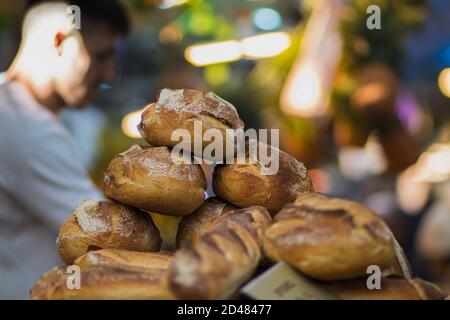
[214,265]
[147,178]
[101,282]
[194,225]
[328,238]
[244,184]
[180,109]
[391,289]
[125,259]
[106,224]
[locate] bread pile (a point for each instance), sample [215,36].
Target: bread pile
[255,218]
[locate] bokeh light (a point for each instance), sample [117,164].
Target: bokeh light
[130,123]
[444,82]
[217,74]
[267,19]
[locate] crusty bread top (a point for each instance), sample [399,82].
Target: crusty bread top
[109,221]
[44,286]
[101,282]
[322,204]
[188,102]
[144,161]
[126,259]
[254,180]
[342,215]
[108,218]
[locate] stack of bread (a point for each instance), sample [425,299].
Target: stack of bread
[221,241]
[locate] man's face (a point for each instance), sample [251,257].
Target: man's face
[84,63]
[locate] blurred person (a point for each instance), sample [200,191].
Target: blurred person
[42,178]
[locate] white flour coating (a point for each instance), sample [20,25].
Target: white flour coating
[299,167]
[125,227]
[185,172]
[92,257]
[173,100]
[295,188]
[155,165]
[187,272]
[158,163]
[134,147]
[128,227]
[170,100]
[90,223]
[161,168]
[66,236]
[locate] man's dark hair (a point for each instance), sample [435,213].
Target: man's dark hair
[93,12]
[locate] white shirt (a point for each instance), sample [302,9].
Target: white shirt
[42,179]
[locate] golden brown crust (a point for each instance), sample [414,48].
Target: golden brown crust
[329,238]
[101,282]
[391,289]
[106,224]
[220,260]
[245,185]
[147,178]
[179,109]
[44,285]
[194,225]
[125,259]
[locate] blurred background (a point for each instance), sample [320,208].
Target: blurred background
[367,110]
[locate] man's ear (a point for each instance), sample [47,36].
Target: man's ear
[57,42]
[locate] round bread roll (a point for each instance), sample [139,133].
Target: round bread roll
[391,289]
[147,178]
[328,238]
[181,109]
[101,282]
[194,225]
[246,183]
[106,224]
[125,259]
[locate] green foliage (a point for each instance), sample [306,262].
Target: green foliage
[362,45]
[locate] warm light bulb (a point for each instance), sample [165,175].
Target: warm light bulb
[444,82]
[303,93]
[265,45]
[201,55]
[130,123]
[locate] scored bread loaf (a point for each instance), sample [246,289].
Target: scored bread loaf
[214,265]
[147,178]
[126,259]
[194,225]
[176,109]
[390,289]
[101,282]
[245,184]
[328,238]
[106,224]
